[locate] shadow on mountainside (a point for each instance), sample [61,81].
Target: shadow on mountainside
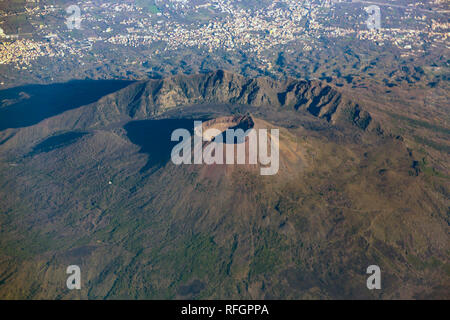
[154,138]
[27,105]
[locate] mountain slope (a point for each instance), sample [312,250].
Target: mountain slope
[94,186]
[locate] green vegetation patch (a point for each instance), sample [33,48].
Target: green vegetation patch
[268,253]
[148,6]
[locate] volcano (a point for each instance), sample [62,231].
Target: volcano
[93,185]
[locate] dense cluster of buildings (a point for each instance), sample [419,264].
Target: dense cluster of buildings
[231,27]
